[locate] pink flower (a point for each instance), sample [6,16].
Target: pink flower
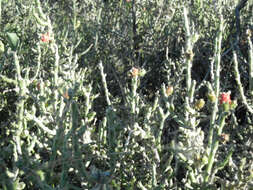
[45,37]
[225,98]
[134,72]
[169,90]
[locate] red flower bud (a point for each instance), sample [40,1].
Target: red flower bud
[45,37]
[169,90]
[225,98]
[134,72]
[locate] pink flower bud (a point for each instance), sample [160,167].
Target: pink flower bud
[169,90]
[134,72]
[225,98]
[45,37]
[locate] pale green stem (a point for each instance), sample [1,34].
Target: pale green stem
[188,50]
[20,111]
[6,79]
[103,75]
[56,75]
[216,83]
[154,181]
[163,116]
[214,148]
[250,62]
[40,124]
[189,56]
[0,11]
[133,102]
[238,81]
[38,62]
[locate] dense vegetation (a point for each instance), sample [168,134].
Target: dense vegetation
[126,94]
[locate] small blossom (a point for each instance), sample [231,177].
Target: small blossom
[134,72]
[169,90]
[45,37]
[225,98]
[224,138]
[199,104]
[211,97]
[66,95]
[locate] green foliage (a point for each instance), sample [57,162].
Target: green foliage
[125,94]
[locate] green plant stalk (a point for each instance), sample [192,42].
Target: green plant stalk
[40,124]
[189,56]
[192,90]
[56,75]
[0,11]
[139,184]
[214,147]
[188,50]
[20,111]
[224,163]
[112,134]
[20,106]
[154,180]
[134,102]
[38,5]
[163,118]
[102,133]
[58,134]
[74,14]
[238,81]
[64,172]
[87,94]
[216,83]
[39,15]
[250,62]
[75,118]
[192,175]
[46,22]
[103,75]
[38,62]
[8,80]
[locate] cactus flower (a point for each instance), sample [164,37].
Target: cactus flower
[169,90]
[225,98]
[134,72]
[45,37]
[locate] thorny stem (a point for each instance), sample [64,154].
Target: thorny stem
[238,81]
[20,110]
[215,146]
[216,83]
